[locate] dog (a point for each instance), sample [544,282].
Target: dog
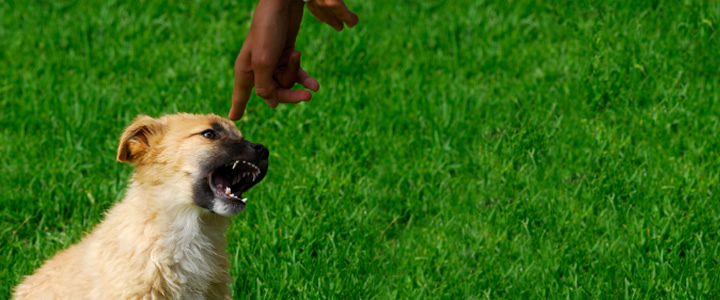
[166,238]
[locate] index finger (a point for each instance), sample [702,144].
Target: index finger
[241,94]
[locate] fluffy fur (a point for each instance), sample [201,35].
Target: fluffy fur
[164,240]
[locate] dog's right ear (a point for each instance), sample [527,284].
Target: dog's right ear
[137,139]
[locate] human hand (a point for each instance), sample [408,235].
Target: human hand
[268,60]
[332,12]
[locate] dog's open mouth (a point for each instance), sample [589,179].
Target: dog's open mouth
[230,180]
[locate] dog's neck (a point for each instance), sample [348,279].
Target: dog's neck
[189,241]
[196,241]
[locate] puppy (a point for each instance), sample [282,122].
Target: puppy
[165,239]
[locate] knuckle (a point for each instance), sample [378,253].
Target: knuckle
[336,6]
[262,61]
[241,68]
[264,93]
[241,64]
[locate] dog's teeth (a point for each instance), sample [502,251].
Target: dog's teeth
[228,191]
[243,200]
[253,177]
[235,164]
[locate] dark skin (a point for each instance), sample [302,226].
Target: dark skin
[268,60]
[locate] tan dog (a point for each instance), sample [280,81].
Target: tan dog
[165,239]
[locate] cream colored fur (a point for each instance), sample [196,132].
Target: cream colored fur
[154,244]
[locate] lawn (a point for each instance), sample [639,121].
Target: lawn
[456,149]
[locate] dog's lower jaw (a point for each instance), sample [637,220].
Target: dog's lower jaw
[205,197]
[223,208]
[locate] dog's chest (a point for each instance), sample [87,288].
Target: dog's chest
[195,259]
[193,265]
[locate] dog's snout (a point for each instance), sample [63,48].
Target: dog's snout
[262,151]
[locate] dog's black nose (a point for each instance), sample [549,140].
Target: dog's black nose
[261,151]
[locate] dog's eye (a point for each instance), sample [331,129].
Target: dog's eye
[209,134]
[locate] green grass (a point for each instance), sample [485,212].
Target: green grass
[457,149]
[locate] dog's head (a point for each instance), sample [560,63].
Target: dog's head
[203,157]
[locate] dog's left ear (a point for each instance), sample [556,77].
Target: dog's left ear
[138,138]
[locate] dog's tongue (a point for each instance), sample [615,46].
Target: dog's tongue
[222,187]
[220,183]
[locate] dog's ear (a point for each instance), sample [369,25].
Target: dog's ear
[137,138]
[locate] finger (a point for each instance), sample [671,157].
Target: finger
[335,23]
[242,85]
[353,19]
[288,76]
[272,102]
[315,12]
[293,96]
[241,95]
[324,16]
[263,67]
[340,11]
[307,81]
